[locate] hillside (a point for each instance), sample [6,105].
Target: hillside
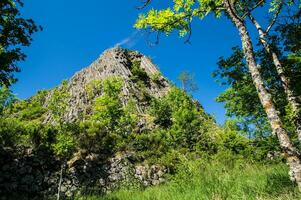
[116,122]
[119,127]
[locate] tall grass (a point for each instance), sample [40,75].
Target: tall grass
[217,180]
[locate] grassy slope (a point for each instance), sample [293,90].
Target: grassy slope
[200,180]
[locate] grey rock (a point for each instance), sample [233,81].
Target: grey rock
[113,62]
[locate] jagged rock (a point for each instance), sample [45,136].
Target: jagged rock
[113,62]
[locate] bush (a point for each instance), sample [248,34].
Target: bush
[11,132]
[138,74]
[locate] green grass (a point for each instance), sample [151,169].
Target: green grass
[217,180]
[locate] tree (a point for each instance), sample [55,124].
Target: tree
[292,97]
[233,72]
[107,109]
[180,16]
[6,98]
[58,102]
[184,122]
[15,32]
[187,81]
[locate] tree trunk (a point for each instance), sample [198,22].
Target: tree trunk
[292,155]
[60,183]
[291,97]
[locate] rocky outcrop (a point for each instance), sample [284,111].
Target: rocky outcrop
[36,174]
[113,62]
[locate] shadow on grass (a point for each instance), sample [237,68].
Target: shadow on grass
[279,183]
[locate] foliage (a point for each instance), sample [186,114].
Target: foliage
[27,110]
[177,17]
[181,13]
[10,132]
[6,98]
[181,126]
[233,71]
[156,77]
[161,111]
[93,88]
[64,143]
[111,122]
[232,138]
[108,108]
[187,81]
[15,32]
[173,131]
[207,160]
[288,34]
[58,102]
[217,179]
[186,120]
[178,127]
[17,133]
[138,74]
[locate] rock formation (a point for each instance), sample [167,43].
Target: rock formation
[35,173]
[113,62]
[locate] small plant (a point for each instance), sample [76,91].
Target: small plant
[93,88]
[138,74]
[59,102]
[64,145]
[156,76]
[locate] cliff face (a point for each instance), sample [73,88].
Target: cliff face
[113,62]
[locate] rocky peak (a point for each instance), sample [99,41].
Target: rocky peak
[113,62]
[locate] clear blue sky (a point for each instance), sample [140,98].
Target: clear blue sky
[76,32]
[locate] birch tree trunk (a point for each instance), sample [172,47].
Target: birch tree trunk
[292,155]
[291,97]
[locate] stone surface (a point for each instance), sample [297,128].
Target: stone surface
[21,176]
[113,62]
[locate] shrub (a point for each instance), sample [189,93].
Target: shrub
[138,74]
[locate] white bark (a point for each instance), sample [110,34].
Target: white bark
[292,155]
[291,97]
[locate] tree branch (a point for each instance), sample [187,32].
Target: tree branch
[257,25]
[273,21]
[144,4]
[230,5]
[254,7]
[187,41]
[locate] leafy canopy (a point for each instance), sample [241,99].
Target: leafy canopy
[15,32]
[233,72]
[180,15]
